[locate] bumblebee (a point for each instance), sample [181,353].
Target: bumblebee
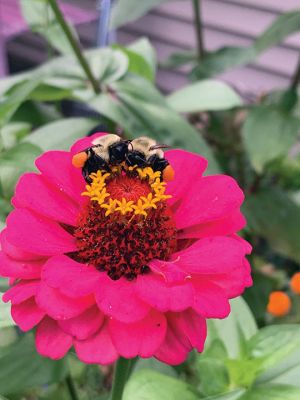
[146,152]
[105,151]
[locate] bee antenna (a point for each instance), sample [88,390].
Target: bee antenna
[159,146]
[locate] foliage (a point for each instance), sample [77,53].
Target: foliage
[247,356]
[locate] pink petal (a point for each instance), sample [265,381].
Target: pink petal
[46,237]
[118,300]
[57,167]
[222,227]
[141,338]
[186,331]
[171,272]
[70,277]
[211,255]
[20,292]
[97,349]
[27,314]
[85,325]
[232,283]
[210,300]
[51,341]
[85,142]
[208,199]
[164,296]
[15,252]
[19,269]
[35,193]
[188,167]
[59,306]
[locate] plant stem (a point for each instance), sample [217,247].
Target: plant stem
[296,77]
[71,387]
[198,27]
[121,374]
[75,46]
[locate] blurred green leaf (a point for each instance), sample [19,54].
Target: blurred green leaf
[228,57]
[137,64]
[272,392]
[5,317]
[11,133]
[207,95]
[181,58]
[257,296]
[272,215]
[234,395]
[126,11]
[41,19]
[268,134]
[272,345]
[144,48]
[154,365]
[61,134]
[21,367]
[136,105]
[13,163]
[235,330]
[18,94]
[212,370]
[149,385]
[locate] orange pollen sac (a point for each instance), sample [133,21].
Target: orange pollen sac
[168,173]
[79,159]
[279,304]
[295,283]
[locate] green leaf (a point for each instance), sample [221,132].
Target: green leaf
[61,134]
[13,163]
[136,105]
[272,345]
[272,215]
[212,370]
[207,95]
[181,58]
[144,48]
[126,11]
[41,19]
[154,365]
[234,395]
[225,58]
[272,392]
[150,385]
[234,330]
[21,367]
[268,134]
[11,133]
[5,317]
[138,64]
[18,94]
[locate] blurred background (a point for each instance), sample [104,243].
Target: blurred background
[170,27]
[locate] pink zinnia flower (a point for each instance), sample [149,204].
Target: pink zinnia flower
[96,273]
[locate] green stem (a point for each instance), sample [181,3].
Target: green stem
[199,28]
[71,387]
[75,46]
[121,374]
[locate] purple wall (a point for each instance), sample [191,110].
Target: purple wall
[227,22]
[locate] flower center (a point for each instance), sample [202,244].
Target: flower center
[126,224]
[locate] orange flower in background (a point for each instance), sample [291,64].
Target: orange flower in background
[279,304]
[295,283]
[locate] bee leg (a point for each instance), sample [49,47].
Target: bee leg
[93,164]
[136,158]
[158,164]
